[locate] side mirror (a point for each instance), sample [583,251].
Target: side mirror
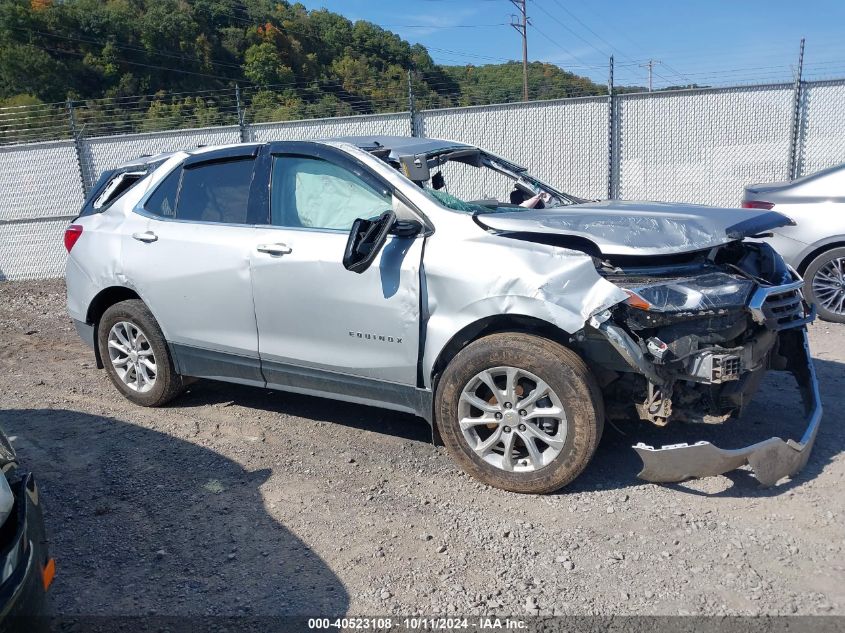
[365,241]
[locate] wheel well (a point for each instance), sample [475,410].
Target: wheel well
[821,249]
[102,302]
[494,325]
[106,299]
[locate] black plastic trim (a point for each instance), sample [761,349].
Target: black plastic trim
[239,152]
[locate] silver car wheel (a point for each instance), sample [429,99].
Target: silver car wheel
[132,356]
[512,419]
[829,285]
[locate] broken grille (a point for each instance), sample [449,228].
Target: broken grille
[781,307]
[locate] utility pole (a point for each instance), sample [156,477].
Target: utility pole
[650,64]
[520,23]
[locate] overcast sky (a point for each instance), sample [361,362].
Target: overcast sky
[708,42]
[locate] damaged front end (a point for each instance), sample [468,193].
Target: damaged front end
[693,342]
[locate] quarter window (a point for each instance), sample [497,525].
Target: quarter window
[314,193]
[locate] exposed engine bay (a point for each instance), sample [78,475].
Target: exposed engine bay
[693,342]
[699,351]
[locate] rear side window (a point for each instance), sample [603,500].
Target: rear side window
[163,200]
[216,192]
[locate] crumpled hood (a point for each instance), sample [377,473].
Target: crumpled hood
[639,228]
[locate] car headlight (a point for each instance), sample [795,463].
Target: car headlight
[713,291]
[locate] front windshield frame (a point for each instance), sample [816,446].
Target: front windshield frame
[487,160]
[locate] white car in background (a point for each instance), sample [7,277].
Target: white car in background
[815,246]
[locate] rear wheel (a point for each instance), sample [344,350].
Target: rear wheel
[825,285]
[136,356]
[519,412]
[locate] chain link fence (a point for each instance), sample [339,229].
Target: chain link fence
[699,145]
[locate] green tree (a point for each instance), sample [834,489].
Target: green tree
[264,66]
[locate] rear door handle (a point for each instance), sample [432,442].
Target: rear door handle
[147,236]
[274,249]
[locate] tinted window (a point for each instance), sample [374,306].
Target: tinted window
[163,200]
[314,193]
[216,192]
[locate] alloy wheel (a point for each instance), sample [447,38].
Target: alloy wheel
[512,419]
[829,286]
[132,356]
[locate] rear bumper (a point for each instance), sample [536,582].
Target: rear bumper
[771,459]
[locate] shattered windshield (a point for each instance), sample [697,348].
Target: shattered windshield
[473,181]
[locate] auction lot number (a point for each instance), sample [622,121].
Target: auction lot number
[379,624]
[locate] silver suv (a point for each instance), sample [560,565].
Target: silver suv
[436,278]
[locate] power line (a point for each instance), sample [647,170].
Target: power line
[445,26]
[570,54]
[575,17]
[563,24]
[151,51]
[126,61]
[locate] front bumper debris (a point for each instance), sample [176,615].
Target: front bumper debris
[771,459]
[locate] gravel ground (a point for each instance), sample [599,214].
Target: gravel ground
[244,501]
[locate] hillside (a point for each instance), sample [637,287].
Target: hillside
[289,62]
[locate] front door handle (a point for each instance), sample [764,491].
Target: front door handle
[274,249]
[147,236]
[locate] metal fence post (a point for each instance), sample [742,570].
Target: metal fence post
[412,106]
[794,148]
[242,127]
[612,173]
[82,164]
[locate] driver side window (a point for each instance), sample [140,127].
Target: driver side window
[313,193]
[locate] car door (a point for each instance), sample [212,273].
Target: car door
[188,257]
[321,327]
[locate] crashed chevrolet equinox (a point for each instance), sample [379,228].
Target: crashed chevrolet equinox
[436,278]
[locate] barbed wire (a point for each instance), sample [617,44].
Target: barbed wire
[331,98]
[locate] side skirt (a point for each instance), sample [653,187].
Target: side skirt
[245,370]
[357,389]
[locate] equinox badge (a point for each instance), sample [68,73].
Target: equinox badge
[375,337]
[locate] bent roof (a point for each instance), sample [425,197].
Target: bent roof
[399,145]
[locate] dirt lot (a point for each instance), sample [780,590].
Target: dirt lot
[245,501]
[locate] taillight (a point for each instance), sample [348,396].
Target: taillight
[757,204]
[72,234]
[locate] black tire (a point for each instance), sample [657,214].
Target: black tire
[563,371]
[809,275]
[168,384]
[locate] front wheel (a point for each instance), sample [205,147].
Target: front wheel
[825,285]
[519,412]
[136,356]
